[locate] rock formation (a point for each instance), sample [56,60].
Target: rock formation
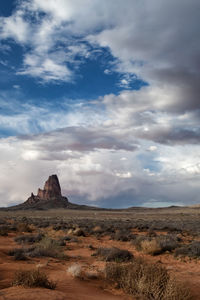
[51,189]
[50,194]
[48,198]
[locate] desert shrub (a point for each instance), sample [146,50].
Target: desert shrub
[91,247]
[191,250]
[4,230]
[151,233]
[167,242]
[97,229]
[46,247]
[149,281]
[176,291]
[18,254]
[43,224]
[61,242]
[33,278]
[138,241]
[66,238]
[78,232]
[156,245]
[75,270]
[69,238]
[23,227]
[121,235]
[22,239]
[150,247]
[114,254]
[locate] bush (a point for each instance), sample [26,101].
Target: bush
[155,245]
[18,254]
[121,235]
[167,242]
[138,241]
[192,250]
[33,278]
[23,227]
[151,247]
[46,247]
[22,239]
[4,230]
[78,232]
[114,254]
[149,281]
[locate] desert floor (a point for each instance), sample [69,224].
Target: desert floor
[91,284]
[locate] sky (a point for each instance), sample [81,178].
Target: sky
[105,94]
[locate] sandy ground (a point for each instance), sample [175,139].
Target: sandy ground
[69,288]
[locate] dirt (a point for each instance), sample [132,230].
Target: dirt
[186,271]
[67,287]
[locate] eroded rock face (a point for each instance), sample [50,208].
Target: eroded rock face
[51,189]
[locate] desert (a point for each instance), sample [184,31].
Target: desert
[99,150]
[82,253]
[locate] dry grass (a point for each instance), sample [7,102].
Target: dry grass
[33,278]
[150,247]
[23,227]
[146,280]
[47,247]
[75,270]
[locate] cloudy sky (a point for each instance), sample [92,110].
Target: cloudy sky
[104,93]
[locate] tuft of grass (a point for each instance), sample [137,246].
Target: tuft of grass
[114,254]
[146,280]
[75,270]
[33,278]
[23,227]
[151,247]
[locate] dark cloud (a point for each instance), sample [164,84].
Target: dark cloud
[172,136]
[80,139]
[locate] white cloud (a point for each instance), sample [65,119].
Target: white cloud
[118,145]
[15,27]
[97,174]
[46,69]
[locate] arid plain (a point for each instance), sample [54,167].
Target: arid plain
[88,254]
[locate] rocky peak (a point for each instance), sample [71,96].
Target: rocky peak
[50,193]
[51,189]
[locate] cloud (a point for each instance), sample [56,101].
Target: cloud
[98,174]
[140,145]
[144,43]
[47,69]
[15,27]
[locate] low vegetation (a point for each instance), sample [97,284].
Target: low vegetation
[156,245]
[4,230]
[146,280]
[114,254]
[18,254]
[192,250]
[30,239]
[33,278]
[46,247]
[74,270]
